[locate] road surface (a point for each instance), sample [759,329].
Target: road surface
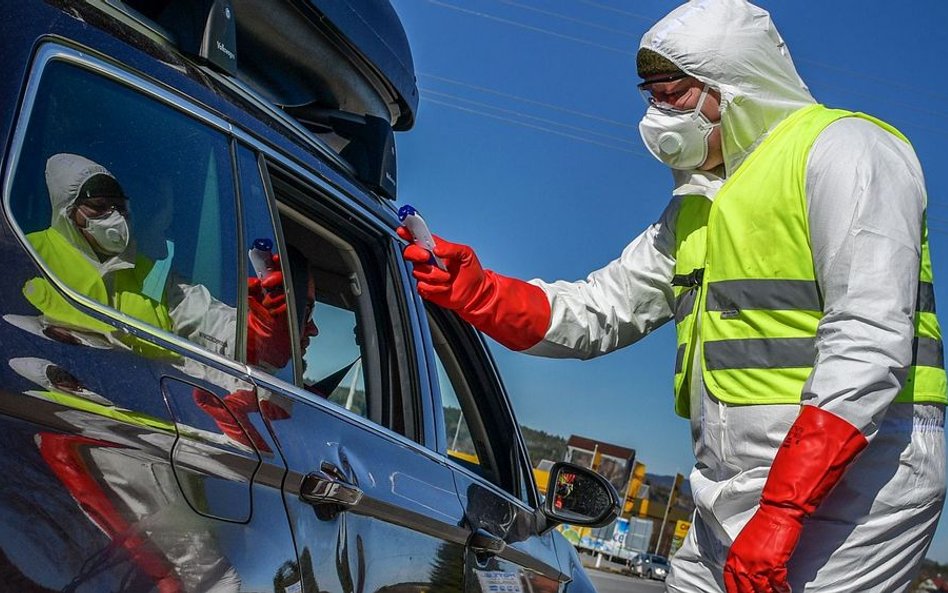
[608,582]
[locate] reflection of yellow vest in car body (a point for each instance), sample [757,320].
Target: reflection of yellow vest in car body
[68,264]
[745,268]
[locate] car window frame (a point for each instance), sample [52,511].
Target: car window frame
[266,381]
[477,429]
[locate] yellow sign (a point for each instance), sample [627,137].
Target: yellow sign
[636,480]
[681,529]
[541,477]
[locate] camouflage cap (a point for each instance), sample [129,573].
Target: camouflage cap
[650,63]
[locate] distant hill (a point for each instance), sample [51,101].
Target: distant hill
[543,445]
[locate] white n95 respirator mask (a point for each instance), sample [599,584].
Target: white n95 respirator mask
[110,233]
[675,137]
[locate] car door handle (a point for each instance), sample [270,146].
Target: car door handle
[328,486]
[484,542]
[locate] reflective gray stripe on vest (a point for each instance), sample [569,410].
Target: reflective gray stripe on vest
[774,353]
[928,352]
[774,295]
[685,304]
[779,353]
[680,359]
[926,298]
[784,295]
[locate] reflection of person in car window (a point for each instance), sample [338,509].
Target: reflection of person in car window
[304,279]
[231,413]
[89,246]
[305,293]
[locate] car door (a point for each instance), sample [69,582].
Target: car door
[371,508]
[132,455]
[508,549]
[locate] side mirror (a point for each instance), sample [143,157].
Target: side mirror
[579,496]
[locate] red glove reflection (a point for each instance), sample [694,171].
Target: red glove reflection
[268,329]
[232,415]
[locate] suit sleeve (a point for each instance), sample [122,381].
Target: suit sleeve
[615,305]
[866,199]
[199,317]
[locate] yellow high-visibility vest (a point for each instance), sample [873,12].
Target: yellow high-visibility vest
[70,266]
[745,267]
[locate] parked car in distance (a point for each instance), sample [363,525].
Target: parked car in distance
[216,373]
[649,566]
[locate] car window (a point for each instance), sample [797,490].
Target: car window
[479,430]
[460,442]
[130,203]
[343,317]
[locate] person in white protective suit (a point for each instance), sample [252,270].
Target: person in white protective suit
[89,245]
[794,259]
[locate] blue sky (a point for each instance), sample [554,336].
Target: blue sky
[526,147]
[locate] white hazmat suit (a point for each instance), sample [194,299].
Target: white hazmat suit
[865,193]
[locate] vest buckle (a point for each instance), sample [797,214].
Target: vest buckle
[693,278]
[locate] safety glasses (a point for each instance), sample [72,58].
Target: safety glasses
[645,87]
[103,206]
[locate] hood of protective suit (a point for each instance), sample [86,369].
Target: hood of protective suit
[65,174]
[733,47]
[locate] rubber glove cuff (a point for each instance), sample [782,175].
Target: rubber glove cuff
[811,461]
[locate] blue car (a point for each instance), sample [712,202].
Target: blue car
[217,374]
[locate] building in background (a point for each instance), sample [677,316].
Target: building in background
[611,461]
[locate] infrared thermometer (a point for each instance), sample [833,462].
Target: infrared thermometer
[261,257]
[419,230]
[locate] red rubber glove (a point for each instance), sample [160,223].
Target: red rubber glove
[513,312]
[268,328]
[814,455]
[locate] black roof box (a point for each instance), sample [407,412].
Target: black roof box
[374,27]
[346,55]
